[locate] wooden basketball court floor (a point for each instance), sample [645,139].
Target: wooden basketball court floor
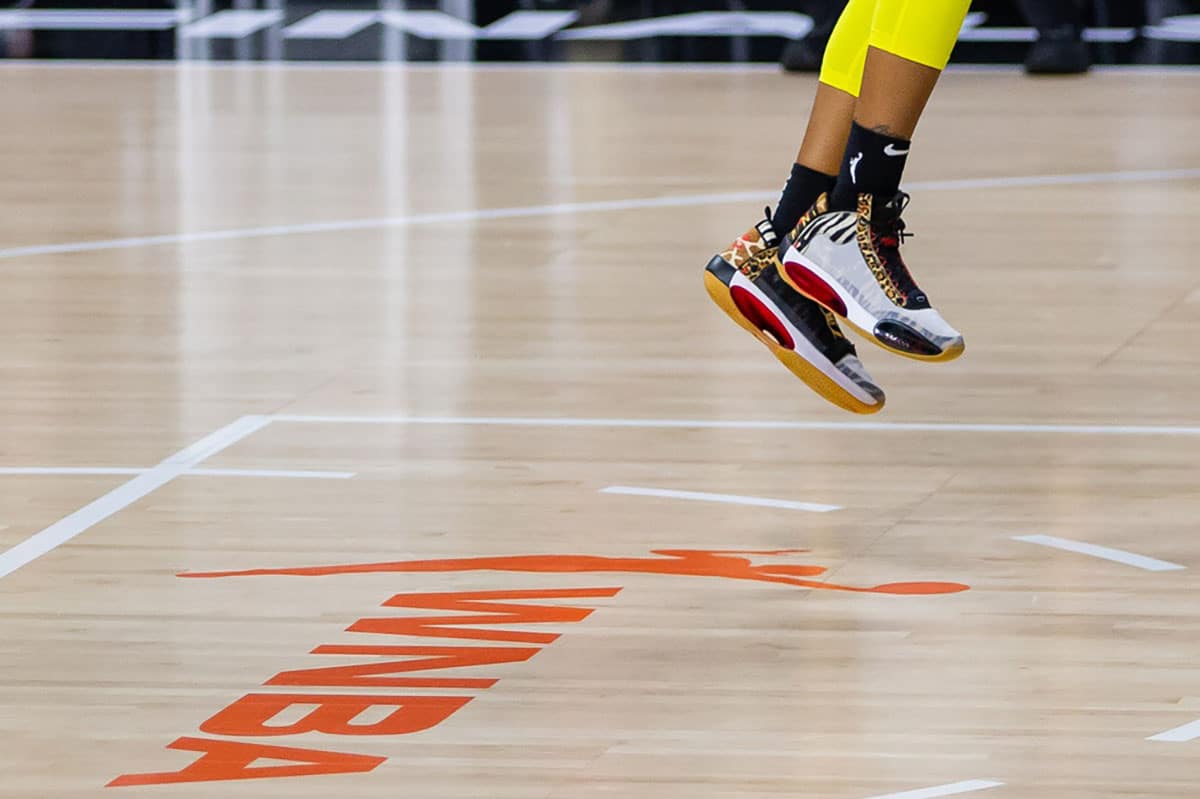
[436,337]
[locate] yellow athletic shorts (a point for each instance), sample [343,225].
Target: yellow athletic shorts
[923,31]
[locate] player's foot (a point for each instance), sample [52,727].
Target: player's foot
[804,55]
[849,262]
[1059,50]
[744,281]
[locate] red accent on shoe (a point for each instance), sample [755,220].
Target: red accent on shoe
[761,316]
[814,287]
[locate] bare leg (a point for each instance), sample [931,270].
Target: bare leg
[845,255]
[894,93]
[821,152]
[828,128]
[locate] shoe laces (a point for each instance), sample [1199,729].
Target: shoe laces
[888,232]
[890,228]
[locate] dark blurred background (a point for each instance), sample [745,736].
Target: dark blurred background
[1045,35]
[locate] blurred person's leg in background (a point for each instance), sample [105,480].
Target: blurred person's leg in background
[804,55]
[1059,49]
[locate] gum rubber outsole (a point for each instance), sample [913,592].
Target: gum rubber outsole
[813,377]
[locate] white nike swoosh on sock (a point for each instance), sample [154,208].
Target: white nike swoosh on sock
[891,150]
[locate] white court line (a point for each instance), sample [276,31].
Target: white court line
[125,495]
[733,499]
[558,209]
[302,474]
[733,424]
[1107,553]
[1188,732]
[106,470]
[90,470]
[381,223]
[1074,179]
[943,790]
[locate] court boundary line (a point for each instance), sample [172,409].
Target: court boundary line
[741,424]
[563,209]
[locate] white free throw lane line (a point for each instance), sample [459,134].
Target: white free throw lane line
[732,499]
[953,789]
[126,494]
[1107,553]
[107,470]
[733,424]
[558,209]
[1188,732]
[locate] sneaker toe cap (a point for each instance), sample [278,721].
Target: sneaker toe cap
[869,396]
[922,334]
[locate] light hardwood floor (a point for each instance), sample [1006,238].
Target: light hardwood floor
[408,295]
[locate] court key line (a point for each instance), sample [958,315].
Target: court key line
[117,470]
[128,493]
[1183,734]
[736,424]
[1106,553]
[953,789]
[733,499]
[631,204]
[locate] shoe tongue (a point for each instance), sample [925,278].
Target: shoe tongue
[766,232]
[885,210]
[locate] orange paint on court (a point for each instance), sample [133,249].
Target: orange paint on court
[724,564]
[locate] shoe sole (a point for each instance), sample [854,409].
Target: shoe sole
[822,289]
[811,375]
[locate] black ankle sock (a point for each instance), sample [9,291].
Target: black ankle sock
[873,164]
[802,190]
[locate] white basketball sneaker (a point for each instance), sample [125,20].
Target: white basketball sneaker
[849,262]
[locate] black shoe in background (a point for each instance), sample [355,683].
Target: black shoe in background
[803,55]
[1058,51]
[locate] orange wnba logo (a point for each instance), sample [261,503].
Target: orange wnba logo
[476,616]
[694,562]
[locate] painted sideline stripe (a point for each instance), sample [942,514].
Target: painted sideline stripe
[733,499]
[1107,553]
[558,209]
[97,470]
[734,424]
[952,789]
[105,470]
[301,474]
[1188,732]
[126,494]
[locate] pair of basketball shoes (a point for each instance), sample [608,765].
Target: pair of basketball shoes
[790,294]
